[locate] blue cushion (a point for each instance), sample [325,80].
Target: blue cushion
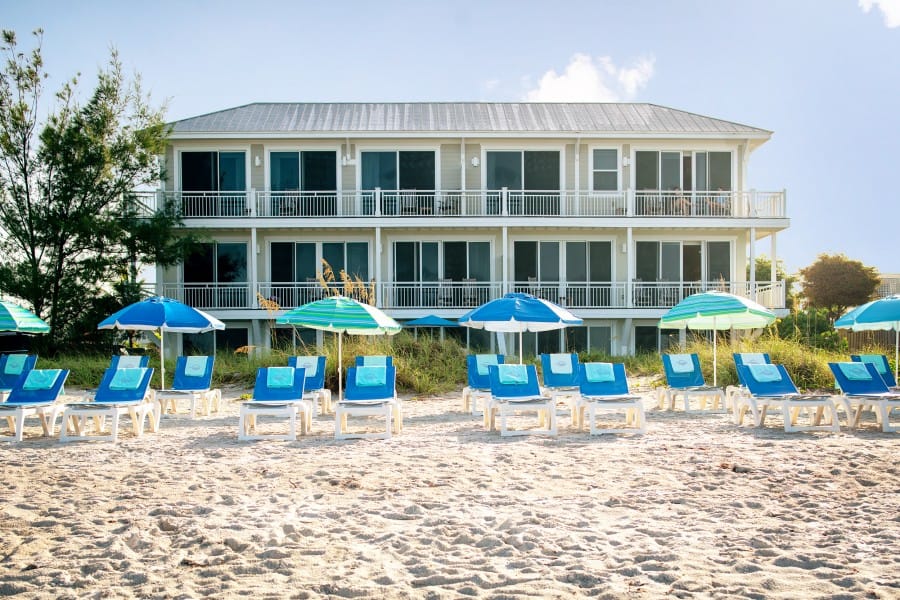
[855,371]
[195,366]
[764,373]
[126,379]
[280,377]
[129,362]
[371,376]
[41,379]
[874,359]
[599,372]
[512,374]
[14,364]
[681,363]
[375,361]
[483,361]
[753,358]
[310,364]
[561,364]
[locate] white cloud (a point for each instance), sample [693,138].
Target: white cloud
[890,9]
[586,79]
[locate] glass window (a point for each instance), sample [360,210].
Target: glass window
[646,167]
[456,264]
[646,339]
[670,170]
[525,256]
[719,261]
[358,260]
[198,171]
[504,169]
[606,169]
[282,261]
[720,170]
[416,170]
[379,170]
[333,254]
[305,261]
[576,261]
[549,262]
[232,173]
[199,266]
[646,260]
[285,171]
[600,261]
[670,261]
[406,261]
[231,263]
[541,170]
[601,339]
[319,171]
[480,261]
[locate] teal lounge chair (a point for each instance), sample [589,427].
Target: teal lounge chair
[278,392]
[314,381]
[515,389]
[13,369]
[192,382]
[35,395]
[770,385]
[861,385]
[561,374]
[603,386]
[479,380]
[370,391]
[121,392]
[683,376]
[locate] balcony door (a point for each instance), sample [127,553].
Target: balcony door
[215,276]
[411,172]
[210,176]
[308,181]
[442,273]
[522,172]
[576,273]
[666,272]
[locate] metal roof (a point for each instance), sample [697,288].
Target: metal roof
[607,118]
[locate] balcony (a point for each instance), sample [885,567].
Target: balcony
[463,295]
[418,204]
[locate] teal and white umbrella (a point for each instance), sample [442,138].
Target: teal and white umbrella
[717,311]
[340,315]
[15,318]
[882,314]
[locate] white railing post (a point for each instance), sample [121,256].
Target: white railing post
[251,202]
[377,210]
[629,203]
[504,199]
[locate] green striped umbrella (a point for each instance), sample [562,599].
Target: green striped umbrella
[717,311]
[15,318]
[340,315]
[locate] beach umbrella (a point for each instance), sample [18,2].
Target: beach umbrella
[518,313]
[430,321]
[15,318]
[163,314]
[716,311]
[340,315]
[882,314]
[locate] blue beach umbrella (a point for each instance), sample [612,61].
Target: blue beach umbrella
[879,315]
[518,313]
[340,315]
[15,318]
[164,314]
[717,311]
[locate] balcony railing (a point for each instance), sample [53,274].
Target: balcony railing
[466,294]
[380,203]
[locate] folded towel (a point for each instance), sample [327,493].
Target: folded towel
[483,361]
[280,377]
[754,358]
[126,379]
[561,364]
[374,361]
[310,364]
[682,363]
[195,366]
[512,374]
[41,379]
[874,359]
[371,376]
[855,371]
[129,362]
[764,373]
[599,372]
[15,363]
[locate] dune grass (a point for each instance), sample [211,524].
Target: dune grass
[430,366]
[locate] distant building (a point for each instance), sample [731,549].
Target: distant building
[616,211]
[890,285]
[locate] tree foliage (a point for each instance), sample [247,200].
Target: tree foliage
[836,283]
[70,222]
[764,273]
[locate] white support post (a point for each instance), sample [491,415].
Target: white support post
[504,261]
[504,201]
[379,284]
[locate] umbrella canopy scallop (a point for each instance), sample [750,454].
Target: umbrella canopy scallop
[15,318]
[717,310]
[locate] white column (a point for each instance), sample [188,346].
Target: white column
[774,251]
[504,260]
[376,259]
[630,266]
[254,260]
[751,256]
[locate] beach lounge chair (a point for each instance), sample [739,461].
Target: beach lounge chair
[278,392]
[770,385]
[743,358]
[515,389]
[36,395]
[13,368]
[193,382]
[314,381]
[375,360]
[881,365]
[128,361]
[604,386]
[683,376]
[862,385]
[370,392]
[479,380]
[121,392]
[561,373]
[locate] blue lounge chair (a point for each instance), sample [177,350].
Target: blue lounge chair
[13,369]
[278,392]
[770,385]
[743,358]
[683,376]
[370,391]
[375,360]
[121,392]
[515,389]
[37,395]
[193,382]
[314,383]
[561,373]
[128,361]
[881,365]
[478,379]
[862,385]
[604,386]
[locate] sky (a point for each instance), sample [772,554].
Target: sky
[823,75]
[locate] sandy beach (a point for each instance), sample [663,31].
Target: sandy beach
[695,508]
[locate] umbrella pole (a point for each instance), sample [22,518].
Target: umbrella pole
[896,352]
[520,346]
[340,384]
[162,359]
[715,369]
